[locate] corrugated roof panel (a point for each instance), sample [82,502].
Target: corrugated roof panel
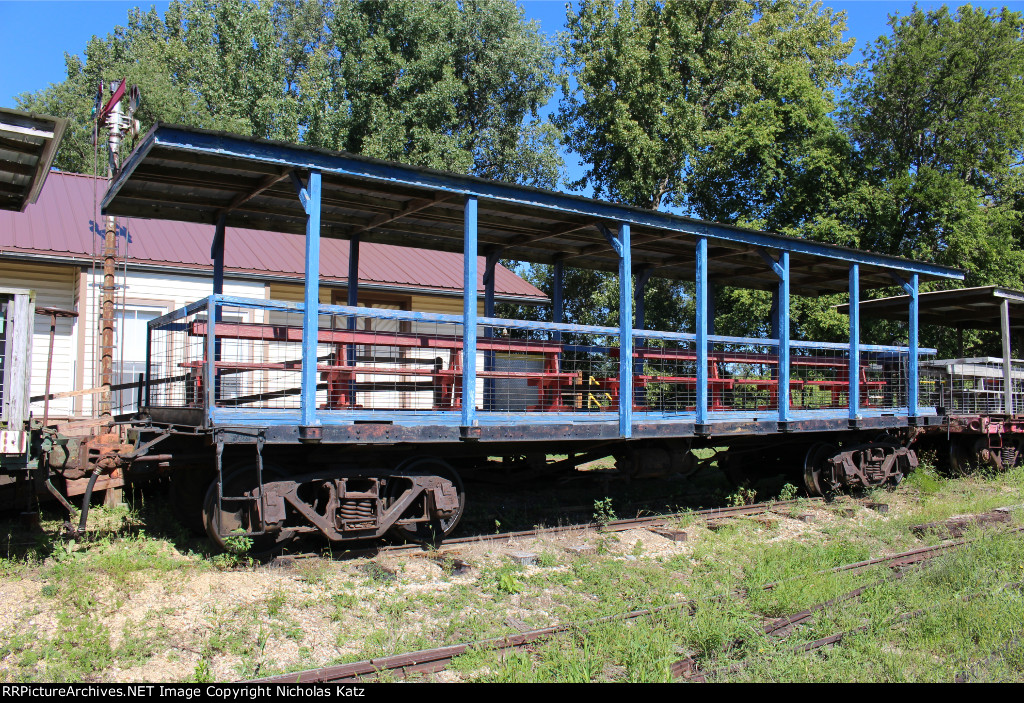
[62,222]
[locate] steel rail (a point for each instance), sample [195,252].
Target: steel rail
[428,661]
[645,522]
[687,669]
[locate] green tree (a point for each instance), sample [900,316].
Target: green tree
[719,109]
[446,84]
[216,65]
[936,114]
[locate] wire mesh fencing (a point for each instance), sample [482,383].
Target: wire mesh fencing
[248,354]
[819,376]
[972,386]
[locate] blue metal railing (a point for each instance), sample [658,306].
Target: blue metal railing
[666,388]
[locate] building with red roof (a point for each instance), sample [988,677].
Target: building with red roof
[55,249]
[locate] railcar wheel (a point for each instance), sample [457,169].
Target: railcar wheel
[240,516]
[433,530]
[817,476]
[969,454]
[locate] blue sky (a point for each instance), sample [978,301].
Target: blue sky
[36,34]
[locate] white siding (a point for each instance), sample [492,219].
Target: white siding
[57,285]
[162,291]
[54,287]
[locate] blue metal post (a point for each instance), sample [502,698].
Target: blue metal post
[149,363]
[912,390]
[625,334]
[784,338]
[774,314]
[469,326]
[702,330]
[640,312]
[310,316]
[210,401]
[854,363]
[352,299]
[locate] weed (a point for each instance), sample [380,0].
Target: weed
[604,512]
[508,583]
[276,602]
[925,480]
[238,542]
[342,603]
[788,492]
[202,672]
[378,573]
[314,571]
[742,496]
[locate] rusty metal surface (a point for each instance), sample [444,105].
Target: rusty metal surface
[60,223]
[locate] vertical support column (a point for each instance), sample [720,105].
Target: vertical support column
[641,286]
[702,334]
[912,384]
[469,303]
[352,300]
[625,333]
[210,383]
[774,314]
[352,294]
[784,338]
[217,254]
[1004,323]
[557,300]
[216,314]
[853,366]
[489,383]
[310,313]
[149,366]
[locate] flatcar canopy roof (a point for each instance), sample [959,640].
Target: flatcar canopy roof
[195,175]
[963,308]
[28,143]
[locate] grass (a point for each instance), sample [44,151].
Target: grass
[81,619]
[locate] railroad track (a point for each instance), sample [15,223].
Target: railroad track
[430,661]
[644,522]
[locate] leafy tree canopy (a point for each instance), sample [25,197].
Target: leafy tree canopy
[936,113]
[720,109]
[453,85]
